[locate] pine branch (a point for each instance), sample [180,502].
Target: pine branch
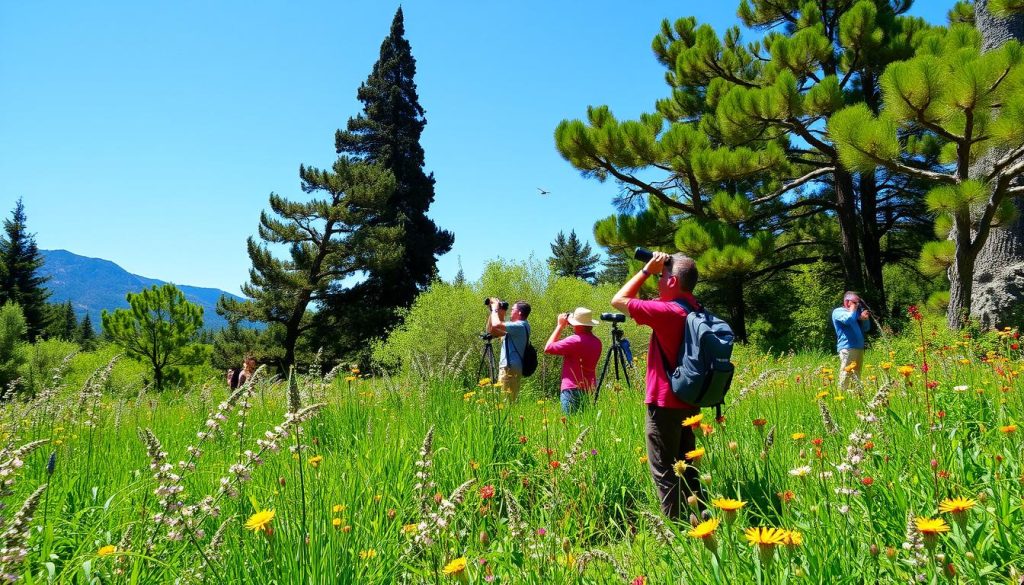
[795,183]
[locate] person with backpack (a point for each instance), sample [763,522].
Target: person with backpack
[238,376]
[580,353]
[515,343]
[668,440]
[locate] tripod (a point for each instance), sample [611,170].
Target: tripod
[616,353]
[487,357]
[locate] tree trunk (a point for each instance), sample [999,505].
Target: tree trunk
[960,283]
[999,270]
[738,313]
[847,211]
[875,291]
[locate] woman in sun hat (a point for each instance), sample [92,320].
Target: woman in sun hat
[580,352]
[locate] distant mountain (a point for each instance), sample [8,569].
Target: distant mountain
[94,284]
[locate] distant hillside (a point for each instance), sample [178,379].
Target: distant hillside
[94,284]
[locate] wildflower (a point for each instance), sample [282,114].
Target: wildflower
[800,471]
[961,388]
[455,568]
[786,496]
[906,371]
[705,529]
[707,429]
[555,465]
[680,467]
[643,459]
[696,454]
[930,528]
[640,580]
[817,441]
[484,382]
[367,554]
[821,394]
[336,522]
[315,461]
[410,528]
[793,538]
[867,481]
[850,368]
[766,540]
[728,504]
[957,506]
[760,422]
[798,436]
[260,521]
[1006,430]
[106,550]
[487,492]
[693,421]
[338,508]
[886,365]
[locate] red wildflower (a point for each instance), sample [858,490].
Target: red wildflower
[869,445]
[555,465]
[867,481]
[941,414]
[487,492]
[817,441]
[522,440]
[760,422]
[932,384]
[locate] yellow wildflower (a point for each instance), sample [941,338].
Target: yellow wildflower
[455,568]
[260,521]
[107,550]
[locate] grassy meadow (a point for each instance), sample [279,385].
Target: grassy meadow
[350,478]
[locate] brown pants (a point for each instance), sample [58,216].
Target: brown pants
[847,357]
[667,442]
[510,380]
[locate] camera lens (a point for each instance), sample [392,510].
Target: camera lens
[613,317]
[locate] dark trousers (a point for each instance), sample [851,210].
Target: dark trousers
[667,442]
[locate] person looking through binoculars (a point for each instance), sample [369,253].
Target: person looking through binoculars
[580,353]
[514,334]
[668,440]
[851,322]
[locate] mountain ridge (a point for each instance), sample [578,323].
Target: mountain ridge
[95,284]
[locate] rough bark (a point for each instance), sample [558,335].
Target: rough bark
[847,211]
[998,296]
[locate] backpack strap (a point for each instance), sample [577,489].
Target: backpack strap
[509,337]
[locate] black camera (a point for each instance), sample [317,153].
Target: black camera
[644,255]
[613,317]
[503,305]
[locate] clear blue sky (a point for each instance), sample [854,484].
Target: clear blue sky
[151,134]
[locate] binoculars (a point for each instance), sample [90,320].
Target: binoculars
[644,255]
[613,317]
[503,305]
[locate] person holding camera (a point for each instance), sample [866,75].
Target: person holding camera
[851,322]
[580,353]
[668,440]
[514,334]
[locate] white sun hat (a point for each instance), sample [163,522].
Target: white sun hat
[583,316]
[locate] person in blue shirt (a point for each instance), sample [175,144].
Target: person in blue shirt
[851,322]
[515,333]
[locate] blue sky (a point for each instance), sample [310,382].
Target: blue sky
[151,134]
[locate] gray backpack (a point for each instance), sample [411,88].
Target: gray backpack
[703,371]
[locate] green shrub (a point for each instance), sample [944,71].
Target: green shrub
[12,340]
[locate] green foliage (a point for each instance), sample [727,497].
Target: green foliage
[439,335]
[13,330]
[41,358]
[87,334]
[794,312]
[61,322]
[328,239]
[159,328]
[1006,8]
[387,133]
[572,258]
[962,13]
[20,281]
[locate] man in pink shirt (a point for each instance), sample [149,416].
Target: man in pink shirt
[581,352]
[667,440]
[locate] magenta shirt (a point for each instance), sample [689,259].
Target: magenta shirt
[667,321]
[581,353]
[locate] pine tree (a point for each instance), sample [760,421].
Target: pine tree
[962,103]
[387,133]
[572,258]
[734,168]
[86,333]
[329,239]
[158,328]
[20,281]
[615,268]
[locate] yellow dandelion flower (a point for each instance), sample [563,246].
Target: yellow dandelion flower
[765,537]
[260,521]
[905,371]
[456,567]
[694,420]
[316,460]
[468,395]
[107,550]
[850,367]
[680,467]
[886,365]
[367,554]
[1008,429]
[965,361]
[704,529]
[838,398]
[643,459]
[821,394]
[793,538]
[484,382]
[696,454]
[798,436]
[931,525]
[338,508]
[350,378]
[410,529]
[336,522]
[957,505]
[728,504]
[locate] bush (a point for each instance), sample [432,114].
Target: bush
[440,333]
[41,358]
[12,341]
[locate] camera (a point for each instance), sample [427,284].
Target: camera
[613,317]
[503,305]
[644,255]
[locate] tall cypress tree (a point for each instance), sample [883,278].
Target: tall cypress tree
[20,280]
[387,133]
